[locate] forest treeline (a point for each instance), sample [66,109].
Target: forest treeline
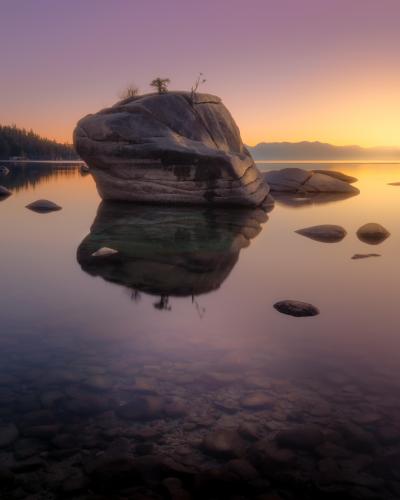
[17,142]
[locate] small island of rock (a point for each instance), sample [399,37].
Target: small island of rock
[171,148]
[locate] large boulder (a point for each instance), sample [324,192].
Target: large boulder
[169,148]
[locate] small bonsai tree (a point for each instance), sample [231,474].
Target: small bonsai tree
[130,91]
[199,81]
[161,84]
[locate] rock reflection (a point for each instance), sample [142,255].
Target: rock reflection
[296,200]
[166,251]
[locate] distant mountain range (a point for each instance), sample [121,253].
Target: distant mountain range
[320,151]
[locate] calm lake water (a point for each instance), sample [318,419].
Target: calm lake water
[172,350]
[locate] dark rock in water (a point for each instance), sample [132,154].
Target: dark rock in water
[296,308]
[267,454]
[357,256]
[223,443]
[169,148]
[257,401]
[297,180]
[175,489]
[43,206]
[243,469]
[306,437]
[142,408]
[8,434]
[249,431]
[337,175]
[325,233]
[7,479]
[372,233]
[4,192]
[357,439]
[168,251]
[393,183]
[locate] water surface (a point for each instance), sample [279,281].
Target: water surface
[184,315]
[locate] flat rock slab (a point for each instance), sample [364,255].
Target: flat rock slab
[296,308]
[337,175]
[298,180]
[393,183]
[358,256]
[325,233]
[43,206]
[256,401]
[4,191]
[372,233]
[8,434]
[223,443]
[142,408]
[305,437]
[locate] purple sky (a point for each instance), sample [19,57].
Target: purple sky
[287,69]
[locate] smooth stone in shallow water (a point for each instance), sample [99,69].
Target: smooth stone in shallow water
[256,401]
[358,256]
[337,175]
[302,437]
[393,183]
[43,206]
[8,434]
[325,233]
[372,233]
[142,408]
[296,308]
[104,252]
[223,443]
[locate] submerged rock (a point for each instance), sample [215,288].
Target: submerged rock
[4,192]
[325,233]
[296,308]
[8,434]
[393,183]
[372,233]
[298,180]
[256,401]
[223,443]
[43,206]
[142,408]
[357,256]
[302,437]
[169,148]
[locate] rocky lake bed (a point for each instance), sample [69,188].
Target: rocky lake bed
[141,356]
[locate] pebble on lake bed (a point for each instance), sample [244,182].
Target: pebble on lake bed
[296,308]
[4,192]
[325,233]
[42,206]
[358,256]
[372,233]
[104,252]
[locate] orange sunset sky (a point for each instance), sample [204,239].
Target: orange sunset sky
[288,70]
